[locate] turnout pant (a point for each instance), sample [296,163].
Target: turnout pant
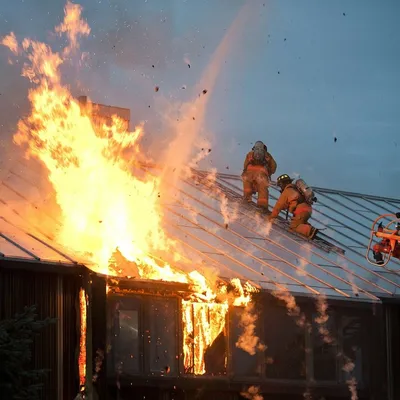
[299,222]
[256,181]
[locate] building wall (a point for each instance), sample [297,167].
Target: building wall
[140,333]
[54,295]
[145,338]
[392,328]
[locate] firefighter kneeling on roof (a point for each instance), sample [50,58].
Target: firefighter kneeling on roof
[258,167]
[296,198]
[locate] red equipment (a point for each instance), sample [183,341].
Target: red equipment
[389,246]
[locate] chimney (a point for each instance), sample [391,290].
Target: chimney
[82,100]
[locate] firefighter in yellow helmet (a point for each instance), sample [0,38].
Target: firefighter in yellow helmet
[291,199]
[258,167]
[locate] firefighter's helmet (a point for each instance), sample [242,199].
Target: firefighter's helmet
[283,180]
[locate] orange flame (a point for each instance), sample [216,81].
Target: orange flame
[107,210]
[11,42]
[104,207]
[73,26]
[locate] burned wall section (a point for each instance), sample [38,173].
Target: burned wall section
[53,290]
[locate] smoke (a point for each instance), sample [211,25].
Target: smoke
[343,263]
[322,319]
[265,227]
[229,212]
[352,384]
[328,337]
[252,393]
[188,122]
[291,306]
[303,264]
[248,340]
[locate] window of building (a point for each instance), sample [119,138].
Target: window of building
[125,339]
[285,357]
[142,335]
[128,343]
[352,344]
[325,348]
[243,363]
[161,335]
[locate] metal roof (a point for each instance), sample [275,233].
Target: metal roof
[205,216]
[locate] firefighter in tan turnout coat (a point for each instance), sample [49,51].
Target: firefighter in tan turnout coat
[258,167]
[294,201]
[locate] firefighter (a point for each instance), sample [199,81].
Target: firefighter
[258,167]
[292,200]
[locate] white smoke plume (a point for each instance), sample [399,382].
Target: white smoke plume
[291,306]
[352,384]
[189,126]
[228,211]
[343,263]
[211,177]
[303,265]
[248,340]
[321,319]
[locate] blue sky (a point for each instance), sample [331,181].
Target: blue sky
[298,75]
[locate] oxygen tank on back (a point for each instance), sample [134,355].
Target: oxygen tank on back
[306,191]
[259,152]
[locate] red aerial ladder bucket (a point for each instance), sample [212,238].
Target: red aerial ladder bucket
[389,246]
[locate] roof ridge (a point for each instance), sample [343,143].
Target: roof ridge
[316,188]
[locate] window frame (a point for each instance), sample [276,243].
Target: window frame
[114,313]
[342,311]
[144,302]
[147,345]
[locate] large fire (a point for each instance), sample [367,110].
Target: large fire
[105,206]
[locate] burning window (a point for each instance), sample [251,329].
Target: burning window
[285,357]
[204,338]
